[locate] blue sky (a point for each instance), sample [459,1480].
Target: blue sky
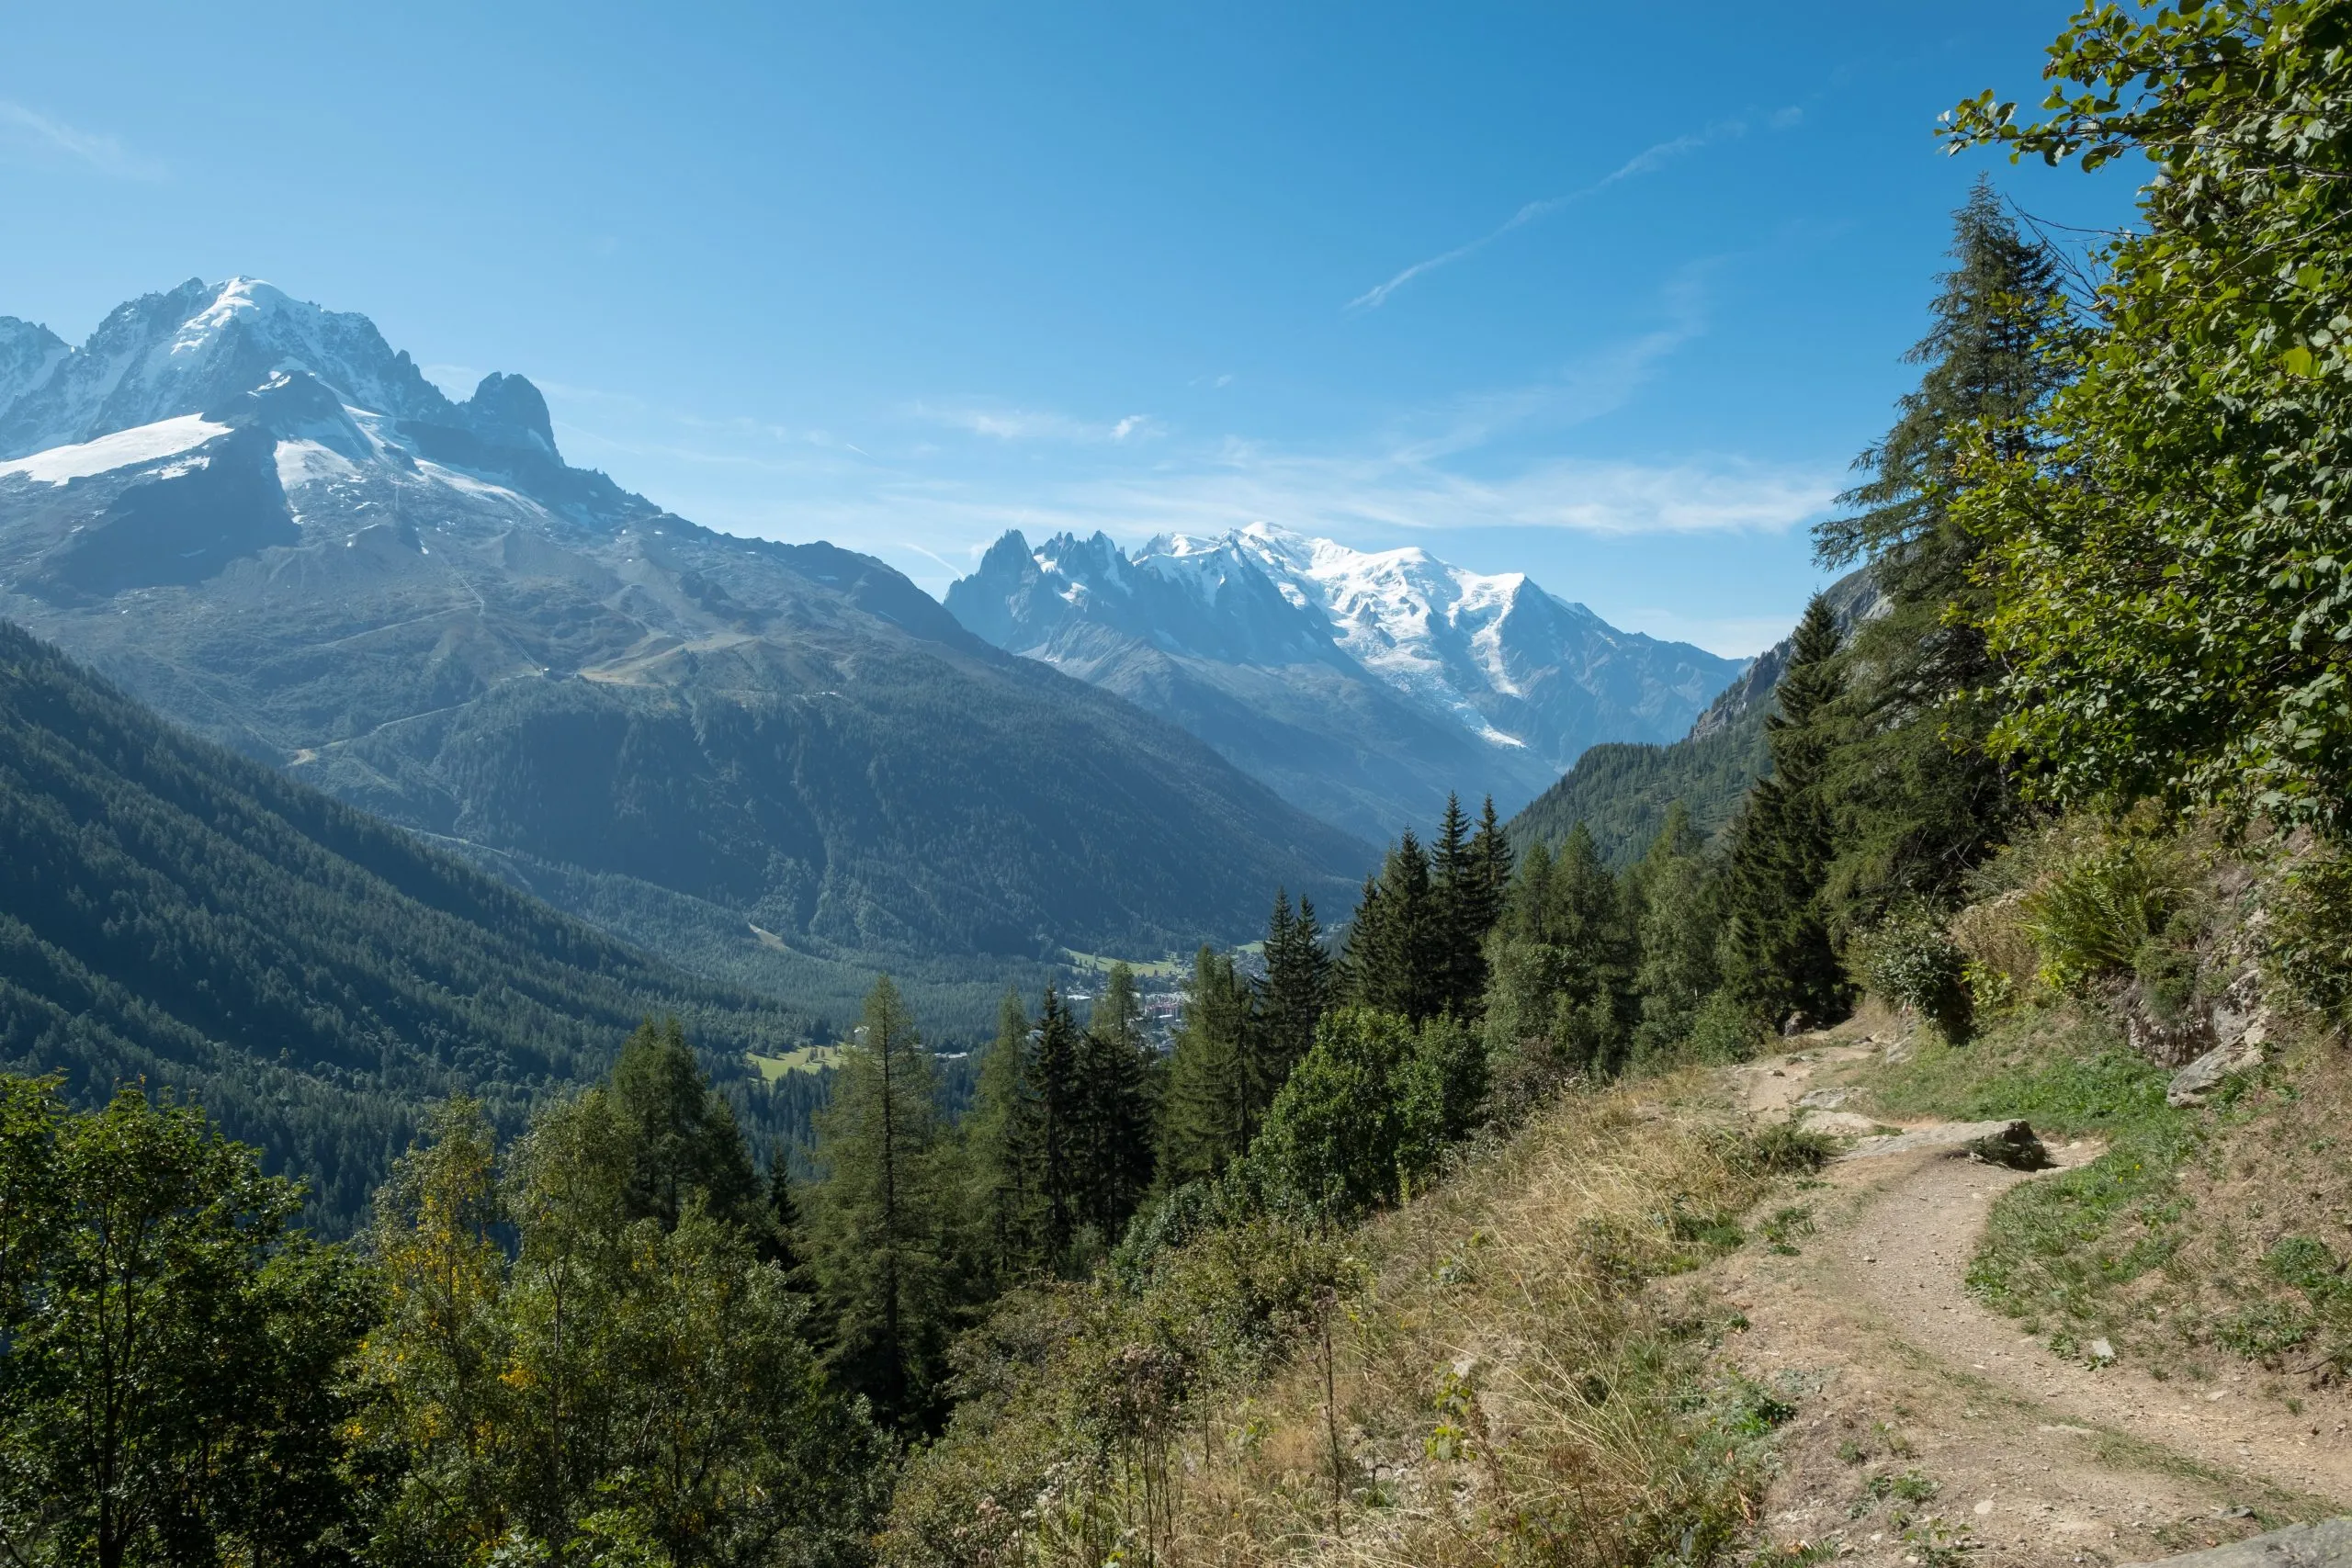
[1610,295]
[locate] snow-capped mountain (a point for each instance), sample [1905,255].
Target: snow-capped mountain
[259,518]
[1360,685]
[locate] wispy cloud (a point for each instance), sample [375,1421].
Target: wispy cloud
[44,134]
[1000,423]
[1648,160]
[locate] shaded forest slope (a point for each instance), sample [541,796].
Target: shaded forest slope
[173,912]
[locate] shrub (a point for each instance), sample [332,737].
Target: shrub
[1999,960]
[1724,1029]
[2311,940]
[1911,961]
[2094,916]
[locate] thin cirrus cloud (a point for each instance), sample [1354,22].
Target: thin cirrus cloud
[1000,423]
[1647,161]
[43,133]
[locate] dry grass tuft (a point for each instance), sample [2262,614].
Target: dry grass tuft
[1509,1379]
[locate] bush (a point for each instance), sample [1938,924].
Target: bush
[1724,1029]
[2311,941]
[2092,919]
[1368,1113]
[1999,960]
[1911,962]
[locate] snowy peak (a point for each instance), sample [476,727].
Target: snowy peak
[1208,604]
[1523,679]
[325,383]
[196,348]
[27,353]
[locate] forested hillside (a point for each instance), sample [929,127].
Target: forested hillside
[1621,792]
[174,914]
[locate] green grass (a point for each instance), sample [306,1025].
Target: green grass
[2056,1248]
[807,1060]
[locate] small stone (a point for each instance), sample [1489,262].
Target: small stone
[1984,1507]
[2102,1352]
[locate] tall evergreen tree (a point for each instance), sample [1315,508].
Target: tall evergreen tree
[1395,960]
[1679,928]
[1781,960]
[1920,800]
[883,1227]
[1056,1068]
[1565,953]
[1115,1133]
[1212,1109]
[1297,988]
[1462,916]
[1490,858]
[682,1138]
[1000,1149]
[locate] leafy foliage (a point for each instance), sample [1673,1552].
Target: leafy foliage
[2173,603]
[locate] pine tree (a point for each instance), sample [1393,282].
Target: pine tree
[1000,1148]
[1212,1110]
[1058,1166]
[1781,957]
[1679,928]
[790,1251]
[1461,935]
[1565,953]
[1920,800]
[883,1239]
[1395,960]
[1491,859]
[1297,988]
[683,1137]
[1115,1140]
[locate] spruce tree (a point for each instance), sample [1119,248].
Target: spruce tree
[1490,859]
[1679,928]
[883,1239]
[1395,960]
[1919,798]
[1212,1110]
[1058,1168]
[1565,954]
[1115,1142]
[1297,988]
[1000,1150]
[1461,916]
[1781,960]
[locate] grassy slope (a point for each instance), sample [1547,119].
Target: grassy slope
[2202,1235]
[1514,1372]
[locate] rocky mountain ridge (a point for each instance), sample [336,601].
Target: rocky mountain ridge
[1361,687]
[254,516]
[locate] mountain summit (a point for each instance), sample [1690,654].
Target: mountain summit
[254,514]
[1360,685]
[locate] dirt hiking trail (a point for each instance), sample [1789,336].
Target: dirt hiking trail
[1930,1430]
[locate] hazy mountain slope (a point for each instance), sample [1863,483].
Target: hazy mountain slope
[1362,687]
[309,552]
[1621,794]
[173,912]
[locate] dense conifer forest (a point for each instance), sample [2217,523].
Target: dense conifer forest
[587,1323]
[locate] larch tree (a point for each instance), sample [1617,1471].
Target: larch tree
[883,1233]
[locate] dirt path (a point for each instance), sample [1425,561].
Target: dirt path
[1928,1427]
